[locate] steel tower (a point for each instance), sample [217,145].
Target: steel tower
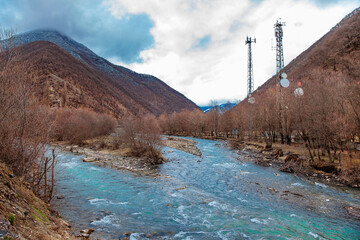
[279,45]
[250,85]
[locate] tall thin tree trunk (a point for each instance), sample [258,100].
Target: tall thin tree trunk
[45,179]
[52,174]
[33,178]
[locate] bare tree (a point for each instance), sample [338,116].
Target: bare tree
[24,123]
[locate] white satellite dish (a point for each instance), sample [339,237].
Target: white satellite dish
[299,92]
[284,83]
[251,100]
[283,75]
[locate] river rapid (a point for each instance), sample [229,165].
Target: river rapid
[215,196]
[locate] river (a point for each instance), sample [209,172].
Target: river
[216,196]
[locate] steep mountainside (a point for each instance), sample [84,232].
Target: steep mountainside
[85,79]
[61,80]
[334,57]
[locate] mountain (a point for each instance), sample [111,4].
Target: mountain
[222,107]
[68,73]
[333,58]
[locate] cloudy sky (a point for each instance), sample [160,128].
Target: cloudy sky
[195,46]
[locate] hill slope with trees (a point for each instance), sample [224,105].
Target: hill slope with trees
[68,73]
[329,74]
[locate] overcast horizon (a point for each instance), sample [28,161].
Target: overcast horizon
[196,47]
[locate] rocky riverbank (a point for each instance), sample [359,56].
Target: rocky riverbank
[289,162]
[118,159]
[114,159]
[185,145]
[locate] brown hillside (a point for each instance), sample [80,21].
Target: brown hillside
[61,79]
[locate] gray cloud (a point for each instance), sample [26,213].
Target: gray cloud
[87,22]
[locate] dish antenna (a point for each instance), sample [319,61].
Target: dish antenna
[251,100]
[284,83]
[298,92]
[283,75]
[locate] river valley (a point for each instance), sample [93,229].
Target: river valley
[212,196]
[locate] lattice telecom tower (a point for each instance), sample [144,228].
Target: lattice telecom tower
[250,84]
[279,45]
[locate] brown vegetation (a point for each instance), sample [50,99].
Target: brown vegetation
[25,125]
[142,136]
[77,125]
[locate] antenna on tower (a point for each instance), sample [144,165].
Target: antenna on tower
[279,45]
[250,85]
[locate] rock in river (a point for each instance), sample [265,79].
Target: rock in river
[353,211]
[89,159]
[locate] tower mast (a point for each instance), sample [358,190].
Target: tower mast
[279,45]
[279,66]
[250,83]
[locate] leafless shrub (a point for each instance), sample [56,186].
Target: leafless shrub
[77,125]
[142,136]
[43,176]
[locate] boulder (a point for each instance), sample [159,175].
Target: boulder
[265,162]
[60,196]
[89,159]
[353,211]
[86,233]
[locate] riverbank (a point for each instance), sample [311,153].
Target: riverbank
[25,216]
[294,159]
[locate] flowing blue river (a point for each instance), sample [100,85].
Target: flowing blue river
[216,196]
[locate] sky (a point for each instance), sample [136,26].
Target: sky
[195,46]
